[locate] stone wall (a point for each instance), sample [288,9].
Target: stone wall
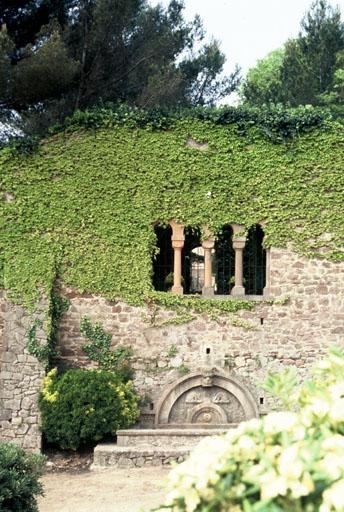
[295,333]
[292,334]
[20,378]
[2,319]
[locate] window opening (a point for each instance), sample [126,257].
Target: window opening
[254,262]
[224,262]
[193,261]
[163,259]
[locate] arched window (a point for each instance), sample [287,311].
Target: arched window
[223,262]
[163,260]
[193,261]
[254,262]
[231,264]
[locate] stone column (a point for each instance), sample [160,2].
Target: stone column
[238,246]
[208,246]
[266,289]
[177,244]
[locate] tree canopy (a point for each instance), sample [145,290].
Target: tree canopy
[306,68]
[263,82]
[58,56]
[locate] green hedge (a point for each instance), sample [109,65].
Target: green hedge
[82,406]
[19,479]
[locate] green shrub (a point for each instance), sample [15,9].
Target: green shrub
[287,461]
[19,474]
[82,406]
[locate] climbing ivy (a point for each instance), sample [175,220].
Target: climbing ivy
[83,205]
[47,351]
[35,348]
[98,349]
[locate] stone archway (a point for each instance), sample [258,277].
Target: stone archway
[205,400]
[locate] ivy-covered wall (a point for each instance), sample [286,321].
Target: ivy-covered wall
[2,317]
[82,207]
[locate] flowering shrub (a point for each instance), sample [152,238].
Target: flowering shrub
[285,461]
[83,406]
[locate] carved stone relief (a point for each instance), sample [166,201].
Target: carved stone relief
[210,404]
[207,400]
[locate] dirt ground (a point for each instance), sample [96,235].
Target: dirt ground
[111,490]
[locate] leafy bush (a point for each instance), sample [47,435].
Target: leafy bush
[285,461]
[276,123]
[19,474]
[82,406]
[23,145]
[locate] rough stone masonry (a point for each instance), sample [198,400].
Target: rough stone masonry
[292,334]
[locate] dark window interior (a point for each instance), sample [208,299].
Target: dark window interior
[192,261]
[224,261]
[254,262]
[163,260]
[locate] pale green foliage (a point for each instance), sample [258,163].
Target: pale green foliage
[263,82]
[282,462]
[281,385]
[172,351]
[70,213]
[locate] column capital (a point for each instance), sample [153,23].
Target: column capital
[177,231]
[239,242]
[208,244]
[237,228]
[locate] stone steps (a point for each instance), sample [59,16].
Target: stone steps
[162,437]
[150,447]
[111,455]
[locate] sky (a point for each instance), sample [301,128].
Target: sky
[249,29]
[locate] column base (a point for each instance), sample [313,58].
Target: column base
[266,291]
[177,290]
[238,291]
[208,291]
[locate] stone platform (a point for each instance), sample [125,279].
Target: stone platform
[150,447]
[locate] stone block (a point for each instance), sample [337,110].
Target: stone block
[5,414]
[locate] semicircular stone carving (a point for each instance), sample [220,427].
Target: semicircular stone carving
[205,400]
